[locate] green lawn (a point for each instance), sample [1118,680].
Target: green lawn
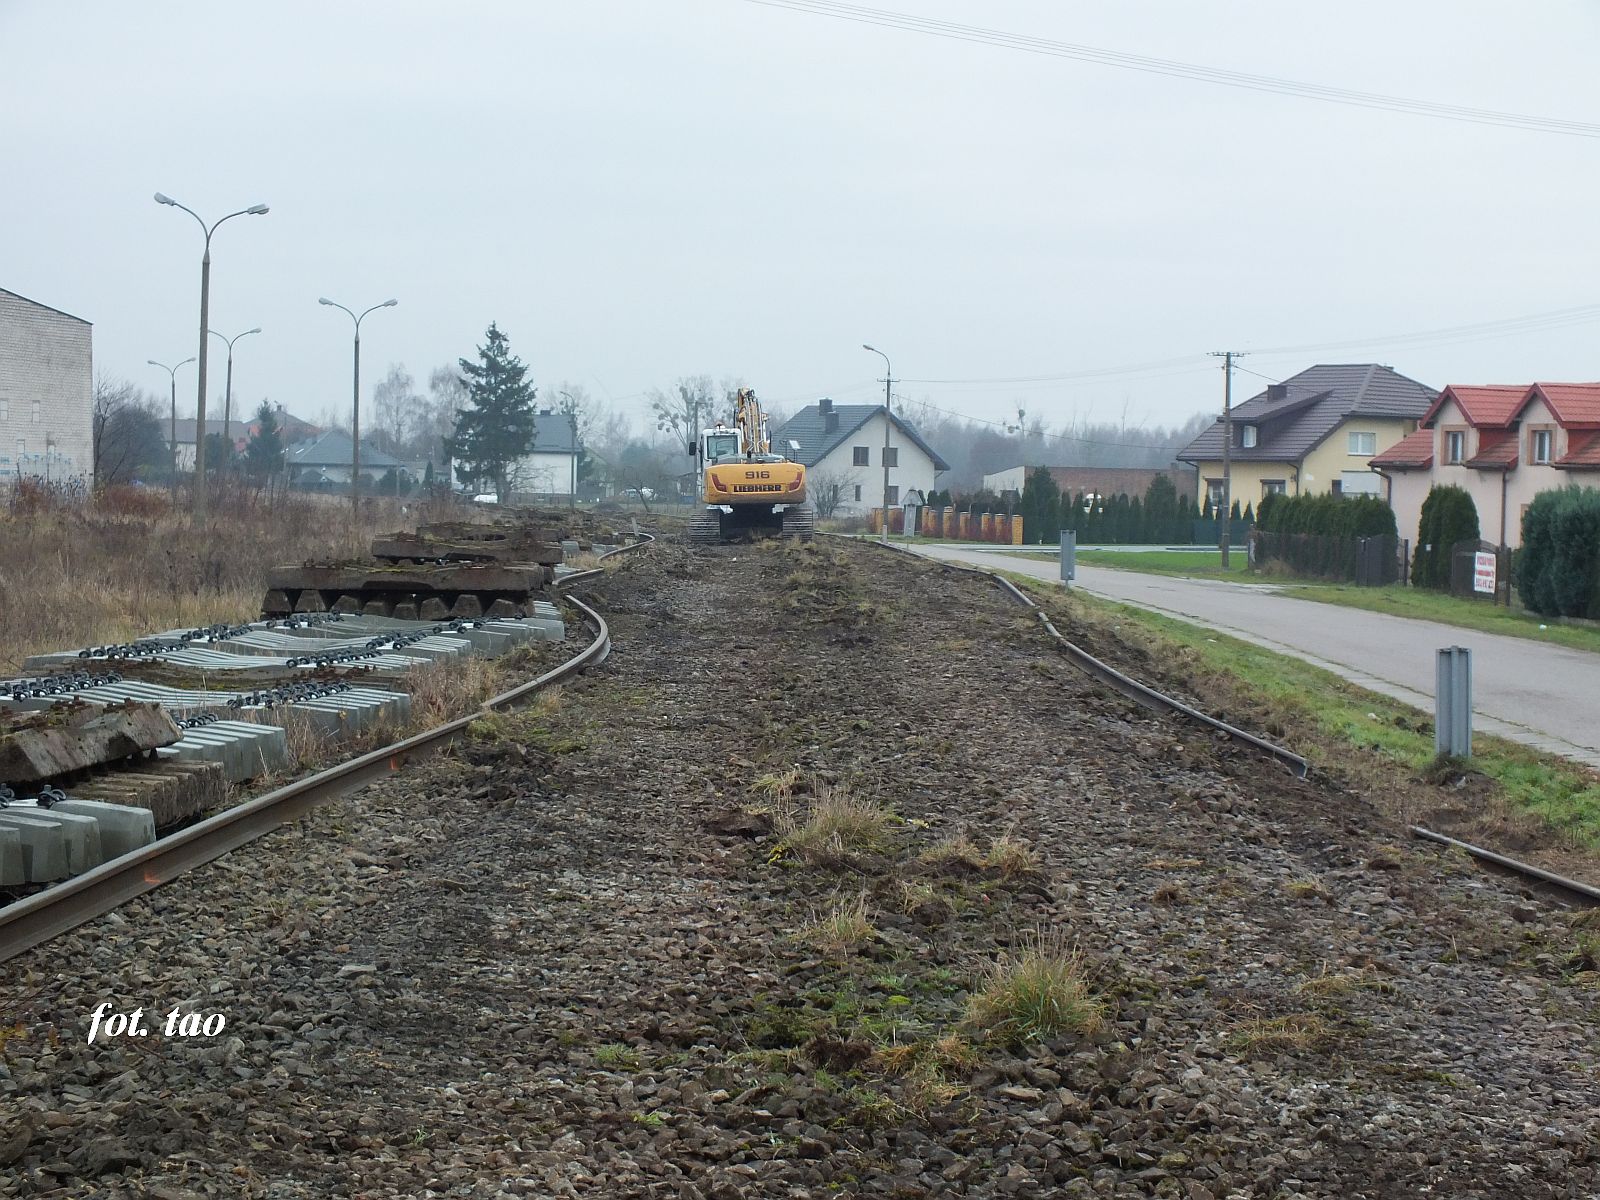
[1563,794]
[1170,562]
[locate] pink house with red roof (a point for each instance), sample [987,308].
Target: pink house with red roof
[1504,444]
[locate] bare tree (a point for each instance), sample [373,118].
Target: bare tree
[827,490]
[685,410]
[126,429]
[396,409]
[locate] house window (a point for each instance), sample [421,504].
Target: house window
[35,412]
[859,453]
[1247,436]
[1542,439]
[858,491]
[1365,444]
[1455,447]
[891,456]
[894,493]
[5,410]
[1214,490]
[1273,487]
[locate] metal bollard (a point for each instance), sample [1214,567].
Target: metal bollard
[1452,723]
[1069,556]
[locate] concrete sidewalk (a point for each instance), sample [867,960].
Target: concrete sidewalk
[1532,692]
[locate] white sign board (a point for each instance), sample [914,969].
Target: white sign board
[1483,572]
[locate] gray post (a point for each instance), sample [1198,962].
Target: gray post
[1069,556]
[1452,726]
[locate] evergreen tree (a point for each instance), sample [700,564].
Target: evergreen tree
[264,455]
[1040,502]
[427,476]
[498,428]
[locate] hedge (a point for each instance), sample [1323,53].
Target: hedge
[1557,571]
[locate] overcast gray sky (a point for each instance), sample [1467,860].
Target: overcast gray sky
[640,189]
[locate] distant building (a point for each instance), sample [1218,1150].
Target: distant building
[1504,444]
[325,462]
[183,431]
[46,392]
[842,448]
[1100,481]
[550,469]
[1315,432]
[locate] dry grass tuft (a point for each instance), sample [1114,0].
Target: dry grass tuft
[960,852]
[1010,858]
[1306,889]
[1272,1035]
[839,823]
[1037,993]
[1170,895]
[1327,986]
[845,927]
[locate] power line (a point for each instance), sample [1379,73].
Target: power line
[1182,70]
[1062,437]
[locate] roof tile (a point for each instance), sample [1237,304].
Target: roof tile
[1485,406]
[1497,451]
[1415,450]
[1582,453]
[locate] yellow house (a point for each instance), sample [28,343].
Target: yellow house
[1313,433]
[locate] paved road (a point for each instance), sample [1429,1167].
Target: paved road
[1532,692]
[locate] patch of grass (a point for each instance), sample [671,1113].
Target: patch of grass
[1562,794]
[838,823]
[845,927]
[1306,889]
[1273,1035]
[650,1120]
[1009,858]
[959,851]
[1327,985]
[1192,563]
[1036,993]
[615,1054]
[781,1060]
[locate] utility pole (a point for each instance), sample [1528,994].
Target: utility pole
[888,423]
[1225,520]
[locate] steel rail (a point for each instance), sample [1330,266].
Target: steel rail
[1573,886]
[68,904]
[1139,693]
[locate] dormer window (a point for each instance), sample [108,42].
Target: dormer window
[1247,436]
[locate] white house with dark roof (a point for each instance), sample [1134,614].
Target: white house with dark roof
[46,392]
[1315,432]
[841,446]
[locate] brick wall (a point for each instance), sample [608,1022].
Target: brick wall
[46,393]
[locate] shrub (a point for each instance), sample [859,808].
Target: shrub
[1448,516]
[1557,572]
[1036,994]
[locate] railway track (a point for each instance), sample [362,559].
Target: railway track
[66,905]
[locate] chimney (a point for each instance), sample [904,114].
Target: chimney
[1276,392]
[830,419]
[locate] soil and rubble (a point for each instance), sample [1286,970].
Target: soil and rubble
[572,958]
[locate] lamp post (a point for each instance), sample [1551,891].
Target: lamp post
[888,382]
[355,411]
[227,403]
[572,424]
[172,432]
[255,210]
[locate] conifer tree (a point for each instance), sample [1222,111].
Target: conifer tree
[498,428]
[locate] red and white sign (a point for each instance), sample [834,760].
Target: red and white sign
[1483,572]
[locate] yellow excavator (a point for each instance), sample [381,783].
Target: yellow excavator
[747,490]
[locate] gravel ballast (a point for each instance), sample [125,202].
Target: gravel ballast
[587,954]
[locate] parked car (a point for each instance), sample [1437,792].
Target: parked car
[641,494]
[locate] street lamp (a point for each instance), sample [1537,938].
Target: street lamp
[227,404]
[355,419]
[172,436]
[888,382]
[572,423]
[255,210]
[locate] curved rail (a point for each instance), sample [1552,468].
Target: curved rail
[70,903]
[1573,887]
[1138,692]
